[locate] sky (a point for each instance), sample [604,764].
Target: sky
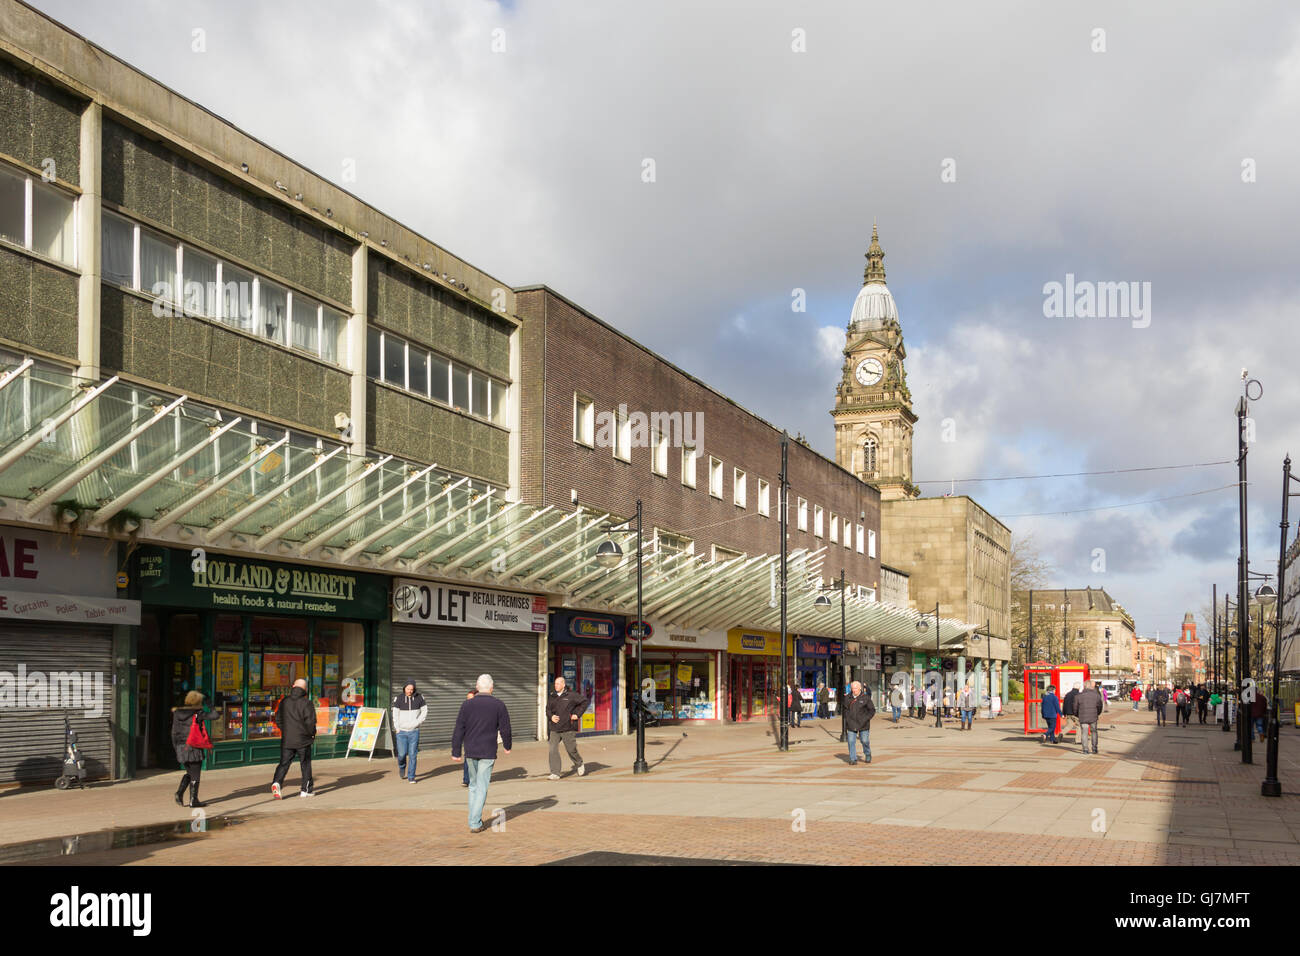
[685,169]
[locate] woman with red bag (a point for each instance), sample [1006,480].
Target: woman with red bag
[191,740]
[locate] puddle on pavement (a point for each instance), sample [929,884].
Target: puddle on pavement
[114,839]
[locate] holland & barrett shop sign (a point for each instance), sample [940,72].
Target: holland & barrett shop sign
[201,579]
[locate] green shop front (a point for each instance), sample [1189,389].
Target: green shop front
[242,630]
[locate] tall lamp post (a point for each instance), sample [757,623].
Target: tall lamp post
[923,625]
[821,604]
[1227,667]
[609,555]
[1272,786]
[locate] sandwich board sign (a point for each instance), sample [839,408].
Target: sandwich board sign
[365,732]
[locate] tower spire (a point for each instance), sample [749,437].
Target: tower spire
[875,271]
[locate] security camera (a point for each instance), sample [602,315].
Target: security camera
[573,496]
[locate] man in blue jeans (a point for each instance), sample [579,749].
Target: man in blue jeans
[966,703]
[1051,708]
[480,720]
[857,722]
[409,711]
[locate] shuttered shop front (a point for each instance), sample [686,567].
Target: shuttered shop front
[49,665]
[445,663]
[445,636]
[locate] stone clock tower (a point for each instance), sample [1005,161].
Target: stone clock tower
[873,407]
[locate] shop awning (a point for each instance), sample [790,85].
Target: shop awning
[116,459]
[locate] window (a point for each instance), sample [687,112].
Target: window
[803,515]
[584,421]
[817,521]
[726,554]
[667,543]
[460,388]
[739,494]
[199,283]
[237,299]
[715,477]
[157,265]
[862,538]
[374,356]
[38,216]
[763,495]
[866,594]
[478,394]
[500,408]
[869,456]
[333,334]
[688,465]
[418,371]
[871,544]
[847,536]
[394,361]
[304,332]
[440,379]
[835,528]
[659,453]
[117,242]
[622,436]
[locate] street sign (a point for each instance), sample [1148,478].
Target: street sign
[636,631]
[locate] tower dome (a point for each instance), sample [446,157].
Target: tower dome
[874,307]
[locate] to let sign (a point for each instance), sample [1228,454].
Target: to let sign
[452,605]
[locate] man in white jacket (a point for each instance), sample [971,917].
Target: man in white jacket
[409,711]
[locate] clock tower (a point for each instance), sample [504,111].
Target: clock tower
[873,407]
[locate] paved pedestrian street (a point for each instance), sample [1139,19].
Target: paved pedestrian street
[718,794]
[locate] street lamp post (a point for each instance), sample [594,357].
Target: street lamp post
[821,603]
[1243,565]
[608,555]
[1227,647]
[783,732]
[1272,786]
[923,625]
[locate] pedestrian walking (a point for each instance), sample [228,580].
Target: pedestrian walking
[1067,711]
[192,741]
[1160,700]
[1135,695]
[896,698]
[966,704]
[794,705]
[481,718]
[409,711]
[823,701]
[916,697]
[927,703]
[1259,712]
[1151,697]
[1202,696]
[296,718]
[1088,706]
[857,722]
[564,710]
[947,701]
[1182,707]
[1051,709]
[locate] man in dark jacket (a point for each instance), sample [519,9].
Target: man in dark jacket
[857,721]
[1160,698]
[1088,705]
[1067,711]
[480,720]
[1051,708]
[564,710]
[297,720]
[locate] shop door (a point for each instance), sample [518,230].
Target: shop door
[446,662]
[31,738]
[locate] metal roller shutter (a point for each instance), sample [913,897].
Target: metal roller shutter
[445,663]
[31,739]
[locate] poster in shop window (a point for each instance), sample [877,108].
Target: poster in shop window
[589,691]
[230,676]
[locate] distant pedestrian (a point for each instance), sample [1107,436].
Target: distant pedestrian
[1151,697]
[927,702]
[1216,701]
[1259,712]
[192,741]
[1202,696]
[794,705]
[409,712]
[1182,707]
[917,699]
[896,698]
[1051,709]
[1067,711]
[823,701]
[1135,695]
[966,704]
[564,710]
[947,701]
[480,720]
[857,721]
[1088,706]
[1160,700]
[297,721]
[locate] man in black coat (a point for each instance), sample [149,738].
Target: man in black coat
[857,721]
[1067,711]
[564,710]
[297,720]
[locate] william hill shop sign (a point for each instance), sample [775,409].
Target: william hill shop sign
[226,583]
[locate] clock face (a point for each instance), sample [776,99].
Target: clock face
[870,371]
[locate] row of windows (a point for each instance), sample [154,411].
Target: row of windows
[37,216]
[416,369]
[199,284]
[619,438]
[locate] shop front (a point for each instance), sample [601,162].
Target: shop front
[896,667]
[819,663]
[680,669]
[446,635]
[584,650]
[243,630]
[754,672]
[60,613]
